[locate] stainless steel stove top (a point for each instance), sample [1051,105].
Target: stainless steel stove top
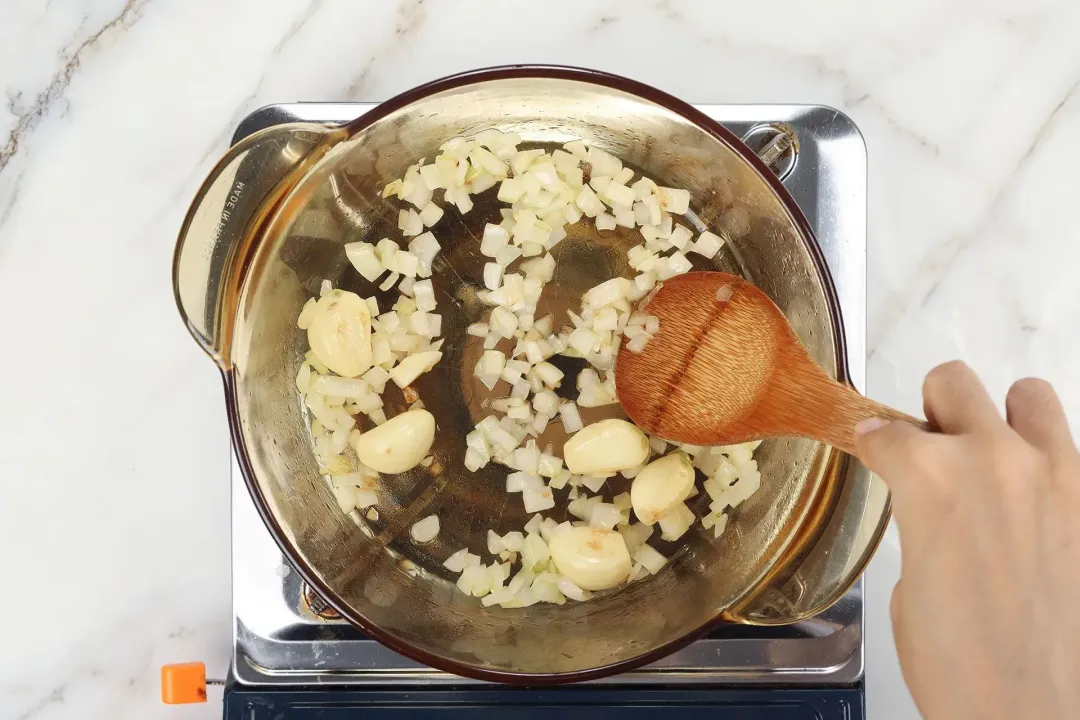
[280,637]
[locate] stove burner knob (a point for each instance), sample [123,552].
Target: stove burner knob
[185,683]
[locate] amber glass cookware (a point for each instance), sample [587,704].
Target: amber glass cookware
[268,225]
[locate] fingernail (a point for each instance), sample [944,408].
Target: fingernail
[870,425]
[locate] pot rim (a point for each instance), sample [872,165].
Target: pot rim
[538,71]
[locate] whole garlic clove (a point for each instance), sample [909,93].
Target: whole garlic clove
[339,333]
[660,486]
[592,558]
[399,444]
[606,447]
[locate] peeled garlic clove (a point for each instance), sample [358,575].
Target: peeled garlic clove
[660,486]
[339,333]
[592,558]
[346,497]
[399,444]
[606,447]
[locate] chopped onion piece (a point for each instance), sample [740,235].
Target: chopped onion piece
[620,195]
[638,343]
[520,389]
[650,558]
[674,200]
[652,205]
[679,263]
[389,282]
[584,341]
[571,419]
[549,374]
[366,497]
[680,237]
[495,543]
[533,526]
[607,293]
[577,149]
[528,459]
[520,412]
[456,562]
[500,438]
[635,536]
[492,275]
[425,247]
[503,322]
[605,515]
[424,293]
[537,500]
[707,244]
[430,214]
[603,163]
[363,258]
[513,541]
[491,362]
[494,239]
[569,589]
[589,203]
[405,373]
[409,223]
[593,482]
[645,282]
[676,521]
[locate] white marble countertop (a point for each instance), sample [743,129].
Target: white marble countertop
[114,518]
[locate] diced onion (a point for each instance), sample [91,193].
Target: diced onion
[424,293]
[674,201]
[456,562]
[363,258]
[638,343]
[537,500]
[605,221]
[571,419]
[569,589]
[409,223]
[514,541]
[676,521]
[546,194]
[405,373]
[707,245]
[492,275]
[650,558]
[605,515]
[389,282]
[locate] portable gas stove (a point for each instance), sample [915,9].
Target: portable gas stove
[295,658]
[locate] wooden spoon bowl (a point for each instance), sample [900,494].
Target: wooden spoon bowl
[726,367]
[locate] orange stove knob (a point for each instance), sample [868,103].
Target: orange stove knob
[183,683]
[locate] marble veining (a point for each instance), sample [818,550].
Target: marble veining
[114,505]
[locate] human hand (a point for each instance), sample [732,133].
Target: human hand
[986,615]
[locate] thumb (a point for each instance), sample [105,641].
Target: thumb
[887,447]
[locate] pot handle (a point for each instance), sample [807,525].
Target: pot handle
[224,223]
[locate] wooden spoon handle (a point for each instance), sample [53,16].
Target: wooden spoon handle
[851,407]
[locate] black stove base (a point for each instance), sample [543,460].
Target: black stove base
[247,703]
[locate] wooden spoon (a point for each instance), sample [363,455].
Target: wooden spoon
[726,367]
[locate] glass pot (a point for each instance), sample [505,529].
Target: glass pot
[268,225]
